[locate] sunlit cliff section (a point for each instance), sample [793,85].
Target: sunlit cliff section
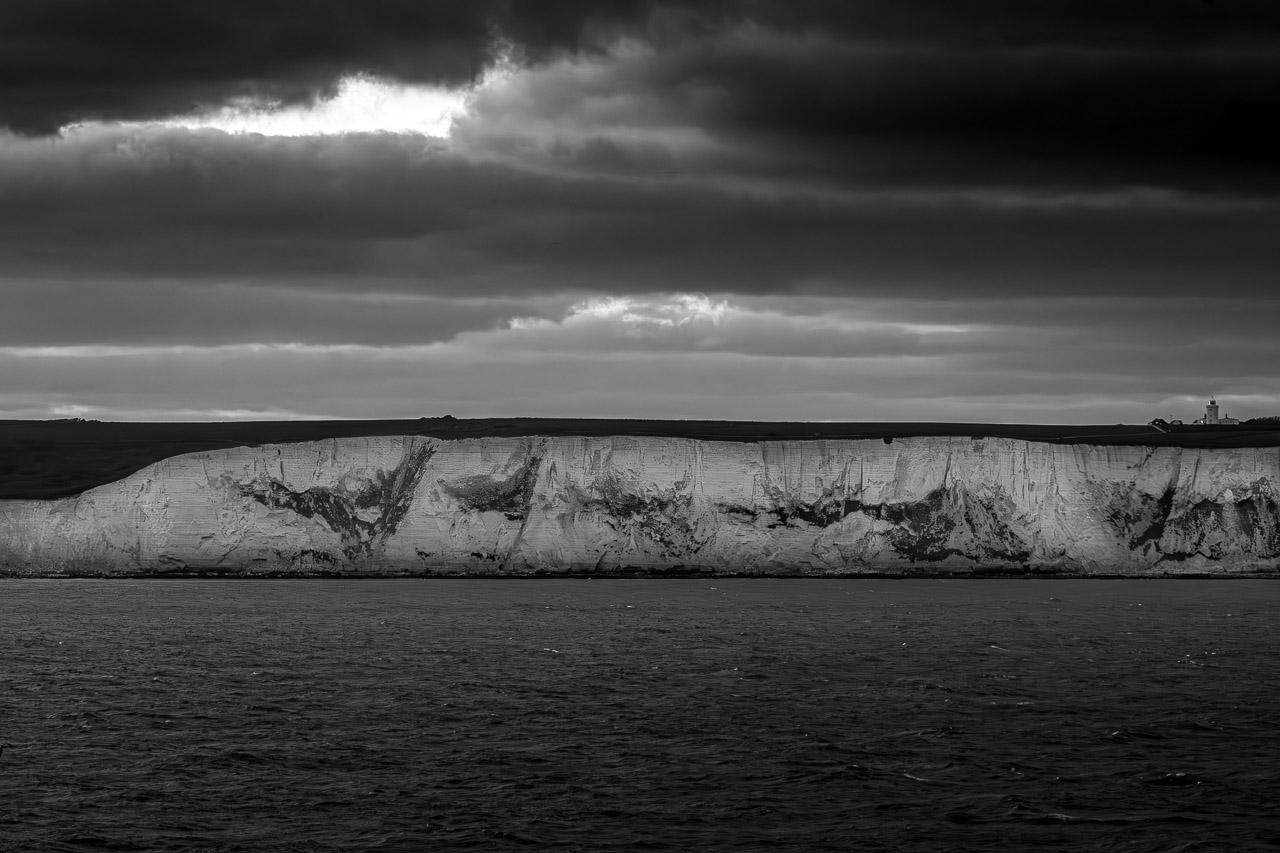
[601,506]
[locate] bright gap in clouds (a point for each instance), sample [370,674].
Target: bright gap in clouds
[361,104]
[677,310]
[178,414]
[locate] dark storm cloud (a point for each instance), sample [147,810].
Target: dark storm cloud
[914,209]
[1193,117]
[415,216]
[1173,93]
[1018,22]
[72,60]
[1167,94]
[126,312]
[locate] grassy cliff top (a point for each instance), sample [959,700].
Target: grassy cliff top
[48,459]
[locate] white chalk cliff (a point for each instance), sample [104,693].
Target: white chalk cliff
[415,505]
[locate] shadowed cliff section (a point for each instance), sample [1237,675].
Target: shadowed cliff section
[51,459]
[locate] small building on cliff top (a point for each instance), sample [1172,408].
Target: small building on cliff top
[1212,416]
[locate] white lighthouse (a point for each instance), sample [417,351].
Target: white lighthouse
[1212,416]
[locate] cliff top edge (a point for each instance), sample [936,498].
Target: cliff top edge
[50,459]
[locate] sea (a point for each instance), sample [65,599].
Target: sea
[647,715]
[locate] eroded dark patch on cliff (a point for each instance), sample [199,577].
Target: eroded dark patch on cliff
[363,519]
[943,524]
[1258,517]
[1206,528]
[1140,518]
[1004,542]
[665,519]
[511,496]
[925,529]
[956,523]
[823,512]
[830,508]
[827,510]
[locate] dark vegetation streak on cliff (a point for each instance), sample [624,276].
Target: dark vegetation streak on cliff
[1150,523]
[664,519]
[511,496]
[1256,517]
[386,497]
[925,531]
[1141,518]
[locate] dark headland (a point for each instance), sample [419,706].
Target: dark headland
[50,459]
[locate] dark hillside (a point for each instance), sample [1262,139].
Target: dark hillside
[47,459]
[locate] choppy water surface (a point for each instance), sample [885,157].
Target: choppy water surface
[647,715]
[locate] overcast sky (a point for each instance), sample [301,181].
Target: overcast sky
[996,210]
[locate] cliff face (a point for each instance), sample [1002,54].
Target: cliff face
[529,505]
